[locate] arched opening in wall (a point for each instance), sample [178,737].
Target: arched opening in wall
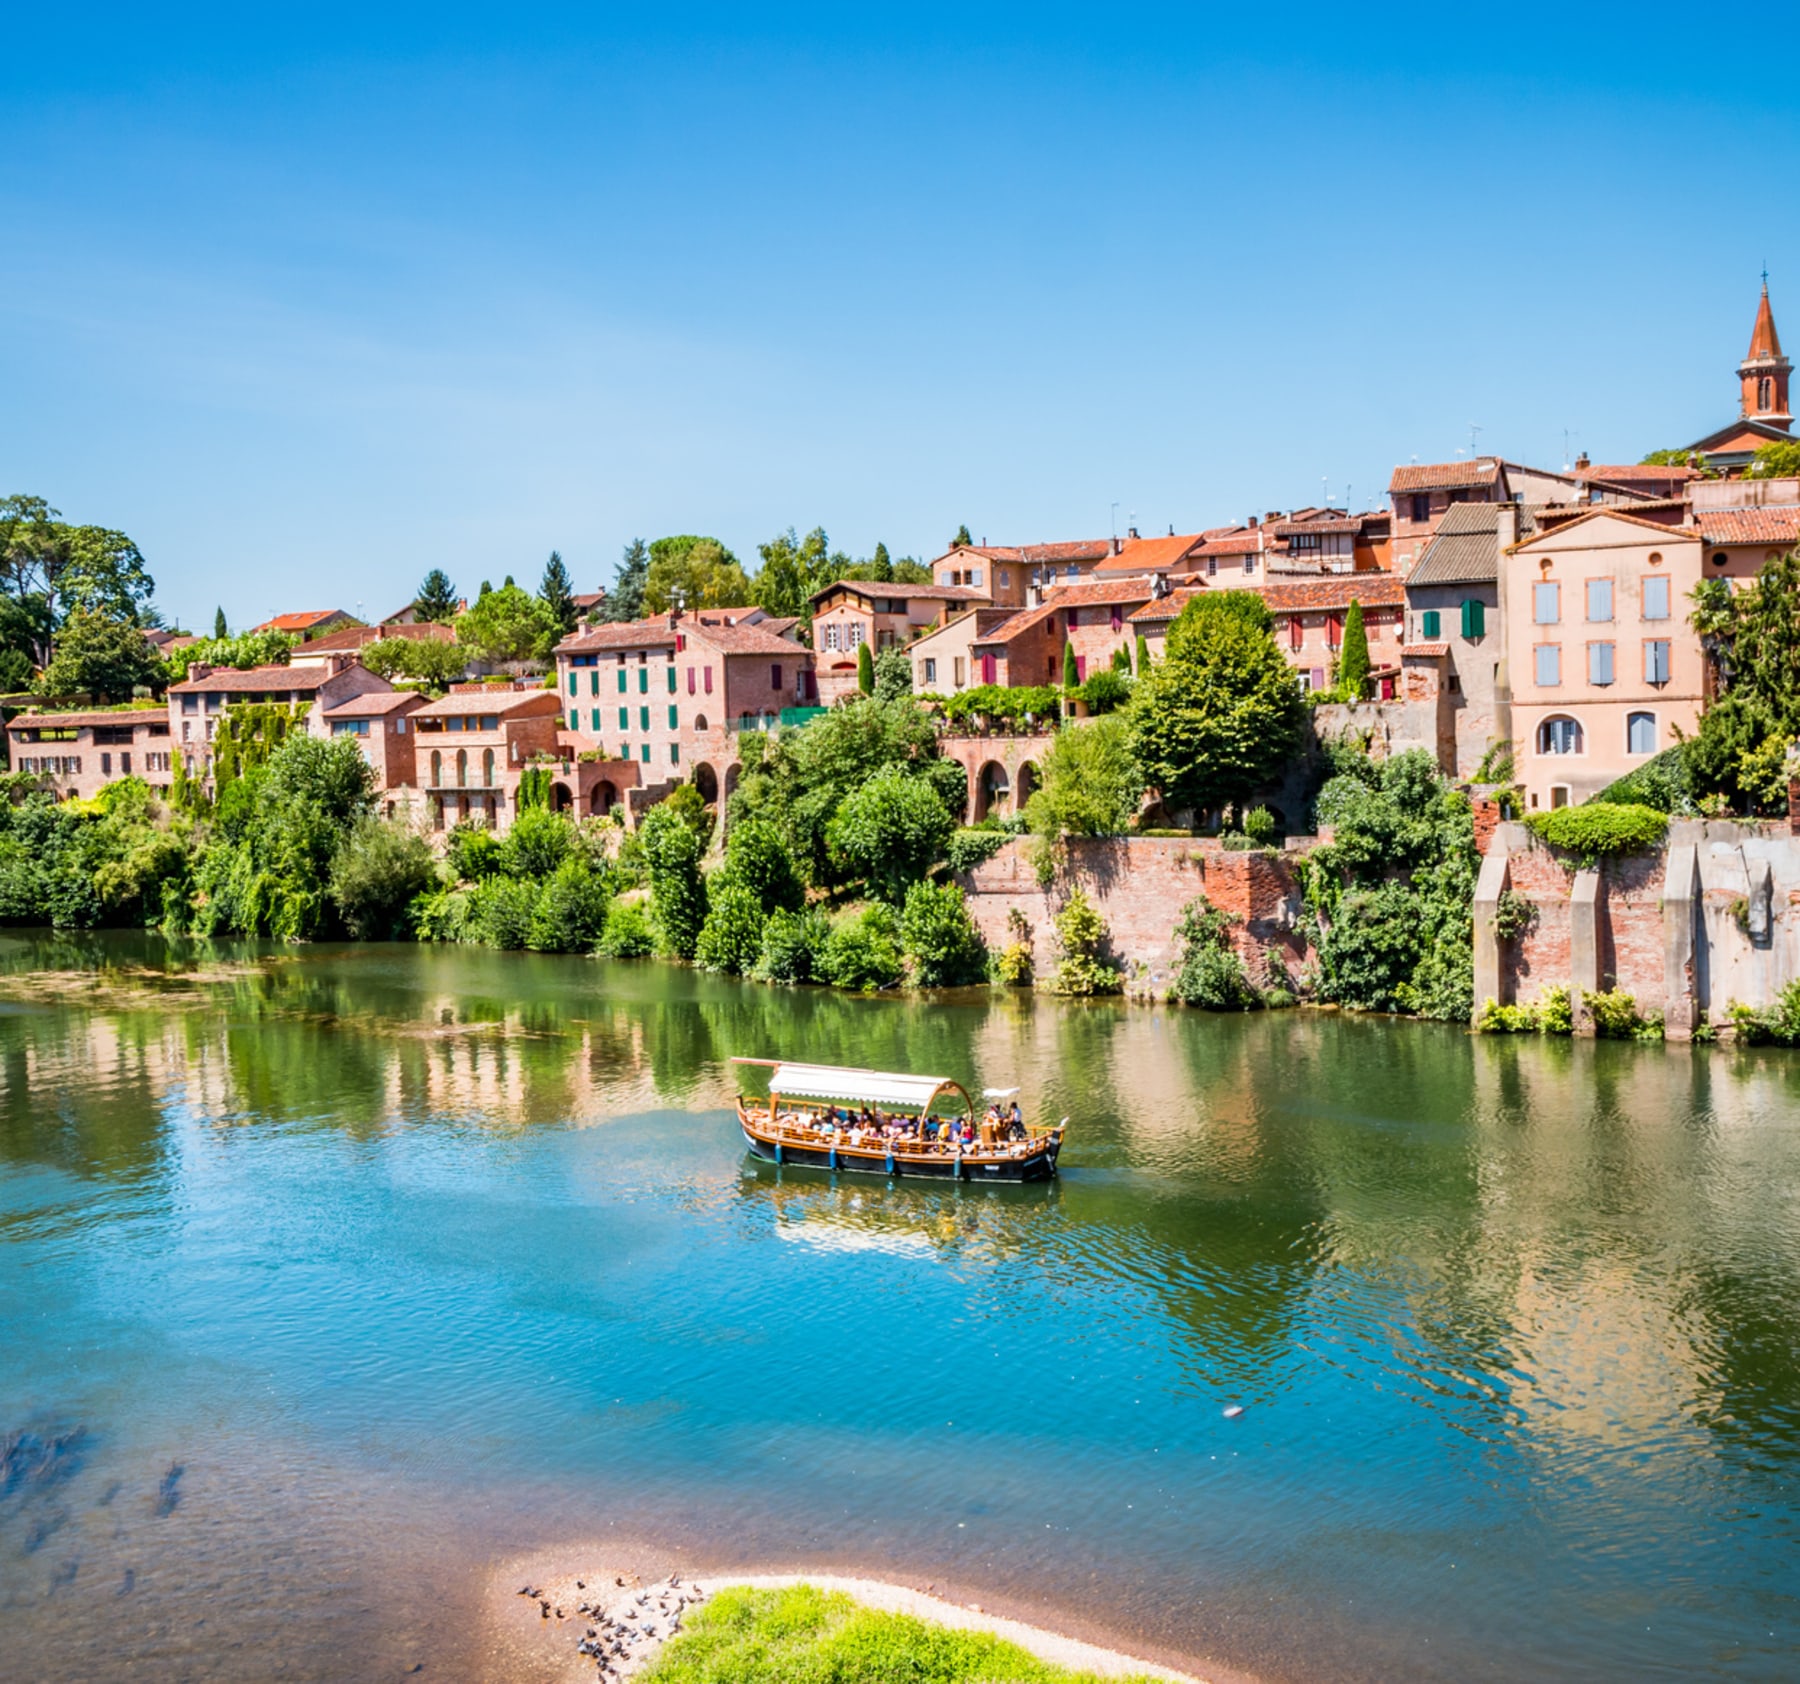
[991,790]
[1765,393]
[603,798]
[437,769]
[731,779]
[700,722]
[706,781]
[462,768]
[487,768]
[1025,787]
[562,798]
[1559,735]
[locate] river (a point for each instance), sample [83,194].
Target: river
[329,1275]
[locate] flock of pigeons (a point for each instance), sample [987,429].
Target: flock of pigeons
[624,1630]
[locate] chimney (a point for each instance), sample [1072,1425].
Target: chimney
[198,669]
[1117,546]
[1581,461]
[1132,530]
[1253,523]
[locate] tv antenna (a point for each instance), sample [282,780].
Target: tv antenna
[1115,522]
[1474,433]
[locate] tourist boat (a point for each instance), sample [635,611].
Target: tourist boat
[795,1126]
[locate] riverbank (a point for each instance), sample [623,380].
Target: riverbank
[537,1610]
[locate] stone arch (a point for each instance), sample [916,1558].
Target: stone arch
[992,787]
[603,799]
[706,780]
[487,768]
[562,798]
[462,768]
[1025,785]
[700,722]
[437,768]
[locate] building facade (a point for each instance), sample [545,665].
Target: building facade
[471,747]
[854,613]
[198,703]
[77,754]
[1453,610]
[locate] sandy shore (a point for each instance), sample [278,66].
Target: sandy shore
[539,1609]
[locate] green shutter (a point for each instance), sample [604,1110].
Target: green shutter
[643,681]
[621,681]
[574,679]
[670,670]
[1474,617]
[624,719]
[595,716]
[1431,625]
[643,719]
[672,722]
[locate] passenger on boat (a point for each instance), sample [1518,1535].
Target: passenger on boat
[1015,1123]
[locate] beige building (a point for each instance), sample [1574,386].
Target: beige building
[943,661]
[856,612]
[79,753]
[1604,669]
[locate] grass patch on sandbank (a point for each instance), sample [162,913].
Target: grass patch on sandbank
[803,1635]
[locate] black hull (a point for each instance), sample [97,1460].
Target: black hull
[1038,1166]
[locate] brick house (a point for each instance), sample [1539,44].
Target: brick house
[381,723]
[198,702]
[854,612]
[1017,575]
[311,622]
[471,746]
[943,661]
[1309,625]
[1453,609]
[1421,492]
[1603,668]
[78,753]
[352,640]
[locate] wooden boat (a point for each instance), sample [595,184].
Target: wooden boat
[793,1126]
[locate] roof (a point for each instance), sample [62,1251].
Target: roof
[269,679]
[1335,590]
[1777,525]
[1424,651]
[92,716]
[1624,473]
[867,1087]
[1079,549]
[911,593]
[490,701]
[1099,592]
[352,638]
[1150,555]
[1606,511]
[373,704]
[1446,476]
[1327,520]
[743,640]
[1765,342]
[618,634]
[303,621]
[1013,624]
[1736,432]
[780,624]
[1465,549]
[1161,608]
[1241,540]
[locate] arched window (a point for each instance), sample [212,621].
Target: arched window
[437,769]
[1640,733]
[462,768]
[1765,393]
[699,722]
[487,767]
[1559,735]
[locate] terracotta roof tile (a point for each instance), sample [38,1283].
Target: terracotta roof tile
[79,718]
[1099,592]
[301,622]
[1150,555]
[1609,512]
[1240,540]
[1372,590]
[1010,627]
[1446,476]
[745,640]
[618,634]
[1777,525]
[912,593]
[352,638]
[1624,473]
[1424,651]
[469,701]
[257,680]
[374,704]
[1765,342]
[1164,608]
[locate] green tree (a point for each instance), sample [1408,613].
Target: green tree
[1091,784]
[106,657]
[538,842]
[507,625]
[379,869]
[892,675]
[792,569]
[1143,656]
[865,670]
[1353,656]
[437,598]
[1753,636]
[1210,974]
[939,938]
[1775,461]
[1221,712]
[26,627]
[625,601]
[881,568]
[557,593]
[671,854]
[731,938]
[69,566]
[570,915]
[434,665]
[706,574]
[962,540]
[757,856]
[220,630]
[891,831]
[245,650]
[1071,669]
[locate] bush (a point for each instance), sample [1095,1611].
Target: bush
[1556,1013]
[1616,1017]
[1371,947]
[731,938]
[1777,1025]
[627,934]
[571,912]
[1004,704]
[758,857]
[1091,782]
[1211,975]
[893,674]
[379,871]
[862,950]
[969,847]
[473,851]
[940,939]
[1664,782]
[677,895]
[1598,829]
[537,844]
[791,945]
[1080,937]
[501,911]
[1513,915]
[1106,690]
[1496,1019]
[1013,965]
[1259,827]
[891,830]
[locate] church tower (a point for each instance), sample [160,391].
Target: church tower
[1764,372]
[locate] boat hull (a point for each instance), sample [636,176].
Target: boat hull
[1038,1165]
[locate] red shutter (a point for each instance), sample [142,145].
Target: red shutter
[1296,632]
[989,664]
[706,682]
[1081,669]
[690,681]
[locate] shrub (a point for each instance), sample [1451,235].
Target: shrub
[1006,705]
[1106,690]
[862,950]
[893,675]
[1664,782]
[474,851]
[1353,656]
[440,915]
[968,848]
[378,872]
[891,830]
[571,912]
[627,934]
[537,844]
[1371,947]
[1080,937]
[1777,1025]
[677,895]
[1259,827]
[500,912]
[1496,1019]
[1597,829]
[1091,782]
[940,939]
[865,670]
[1513,915]
[791,945]
[1616,1017]
[1210,975]
[758,857]
[1556,1012]
[731,938]
[1013,965]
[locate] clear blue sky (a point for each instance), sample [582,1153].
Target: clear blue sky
[310,303]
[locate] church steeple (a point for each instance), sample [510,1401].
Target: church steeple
[1764,371]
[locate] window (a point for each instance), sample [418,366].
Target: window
[1559,736]
[594,720]
[624,751]
[706,680]
[858,635]
[700,722]
[959,673]
[674,754]
[774,675]
[671,672]
[1599,599]
[1318,679]
[594,681]
[1640,733]
[1656,661]
[643,679]
[1005,578]
[574,719]
[125,764]
[190,704]
[1545,603]
[643,719]
[673,722]
[1334,630]
[1296,631]
[690,681]
[1249,564]
[1431,624]
[1118,618]
[1421,505]
[487,767]
[574,681]
[624,719]
[621,676]
[1549,663]
[1600,663]
[1212,566]
[106,765]
[1474,618]
[490,722]
[1656,597]
[644,753]
[930,670]
[974,579]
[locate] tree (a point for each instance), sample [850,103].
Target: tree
[1221,712]
[940,938]
[881,569]
[245,650]
[1071,668]
[1091,784]
[731,938]
[557,593]
[377,872]
[106,657]
[892,830]
[433,664]
[1143,656]
[437,598]
[69,566]
[221,631]
[892,674]
[702,570]
[507,625]
[1353,656]
[26,627]
[625,601]
[1753,636]
[757,856]
[962,540]
[865,670]
[672,853]
[1775,461]
[792,569]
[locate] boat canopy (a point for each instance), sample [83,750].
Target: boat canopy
[863,1087]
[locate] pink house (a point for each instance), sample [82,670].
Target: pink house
[471,747]
[80,753]
[198,703]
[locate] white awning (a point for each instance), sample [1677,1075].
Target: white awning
[864,1087]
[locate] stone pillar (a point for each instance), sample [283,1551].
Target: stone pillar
[1584,945]
[1682,1005]
[1489,886]
[1486,812]
[1794,806]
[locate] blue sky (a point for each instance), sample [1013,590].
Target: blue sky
[311,301]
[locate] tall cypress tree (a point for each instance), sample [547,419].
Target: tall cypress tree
[1143,655]
[1353,657]
[962,539]
[219,628]
[558,594]
[865,670]
[626,601]
[1071,672]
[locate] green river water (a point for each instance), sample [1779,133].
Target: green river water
[330,1275]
